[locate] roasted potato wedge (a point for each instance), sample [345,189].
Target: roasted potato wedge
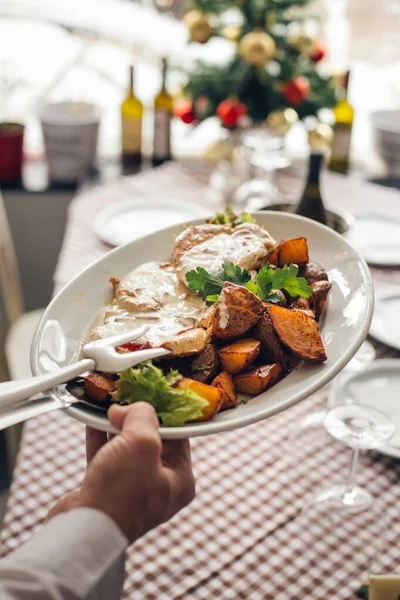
[298,332]
[257,380]
[207,316]
[205,365]
[320,294]
[271,350]
[99,387]
[313,272]
[240,354]
[212,394]
[237,311]
[274,257]
[293,251]
[224,382]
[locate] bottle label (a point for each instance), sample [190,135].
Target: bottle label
[162,134]
[131,135]
[341,141]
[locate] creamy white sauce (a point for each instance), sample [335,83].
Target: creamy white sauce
[150,295]
[223,311]
[245,246]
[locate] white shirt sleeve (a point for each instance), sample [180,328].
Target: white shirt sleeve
[78,555]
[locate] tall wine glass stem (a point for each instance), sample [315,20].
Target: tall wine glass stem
[351,474]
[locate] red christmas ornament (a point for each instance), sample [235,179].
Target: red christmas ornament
[230,111]
[185,112]
[320,52]
[296,90]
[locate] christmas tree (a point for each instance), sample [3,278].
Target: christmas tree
[274,70]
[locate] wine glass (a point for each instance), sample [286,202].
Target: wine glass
[361,428]
[363,357]
[266,153]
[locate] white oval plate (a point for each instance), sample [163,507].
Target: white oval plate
[128,220]
[345,326]
[377,238]
[385,326]
[377,386]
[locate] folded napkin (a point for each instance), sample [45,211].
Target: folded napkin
[381,587]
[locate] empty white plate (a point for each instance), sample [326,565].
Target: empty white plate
[377,238]
[385,326]
[128,220]
[377,386]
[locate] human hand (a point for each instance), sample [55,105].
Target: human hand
[135,478]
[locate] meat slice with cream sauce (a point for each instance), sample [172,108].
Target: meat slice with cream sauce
[247,245]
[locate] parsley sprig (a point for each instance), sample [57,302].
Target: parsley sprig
[228,216]
[265,285]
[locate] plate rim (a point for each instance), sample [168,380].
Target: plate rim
[365,214]
[194,430]
[100,221]
[375,366]
[373,331]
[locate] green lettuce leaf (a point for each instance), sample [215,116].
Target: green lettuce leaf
[147,383]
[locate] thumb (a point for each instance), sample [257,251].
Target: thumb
[117,415]
[138,415]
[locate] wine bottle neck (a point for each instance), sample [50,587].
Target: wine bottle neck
[316,160]
[164,74]
[131,80]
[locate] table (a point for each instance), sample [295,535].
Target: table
[244,535]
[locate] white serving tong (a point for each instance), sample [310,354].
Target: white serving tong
[19,401]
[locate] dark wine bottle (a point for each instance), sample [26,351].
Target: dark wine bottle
[310,204]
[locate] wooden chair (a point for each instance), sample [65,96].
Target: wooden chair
[20,326]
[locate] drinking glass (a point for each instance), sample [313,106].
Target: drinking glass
[266,154]
[363,357]
[361,428]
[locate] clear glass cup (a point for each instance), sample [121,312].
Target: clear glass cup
[266,154]
[360,428]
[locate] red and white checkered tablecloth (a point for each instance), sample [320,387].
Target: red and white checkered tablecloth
[244,536]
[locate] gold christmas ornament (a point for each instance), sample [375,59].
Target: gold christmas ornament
[304,42]
[320,138]
[257,48]
[198,26]
[231,32]
[279,121]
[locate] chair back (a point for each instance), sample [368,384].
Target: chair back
[10,285]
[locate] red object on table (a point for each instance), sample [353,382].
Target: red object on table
[11,145]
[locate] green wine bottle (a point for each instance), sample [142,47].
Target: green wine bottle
[310,204]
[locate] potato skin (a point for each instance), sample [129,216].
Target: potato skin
[98,386]
[273,258]
[241,310]
[321,291]
[271,350]
[205,365]
[240,354]
[257,380]
[313,272]
[212,394]
[299,332]
[224,382]
[207,316]
[293,251]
